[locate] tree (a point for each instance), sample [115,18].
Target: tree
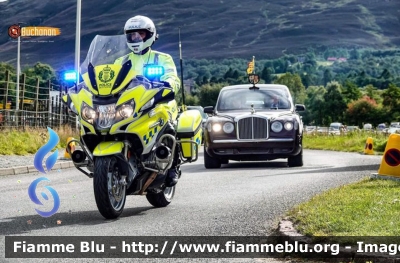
[362,111]
[3,68]
[314,104]
[351,92]
[306,80]
[228,74]
[235,74]
[296,87]
[208,93]
[266,75]
[354,54]
[391,100]
[385,74]
[372,92]
[335,104]
[42,71]
[327,76]
[192,100]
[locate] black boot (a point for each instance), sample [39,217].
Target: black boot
[172,177]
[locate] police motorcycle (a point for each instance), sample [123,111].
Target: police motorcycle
[123,118]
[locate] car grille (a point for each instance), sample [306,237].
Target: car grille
[252,128]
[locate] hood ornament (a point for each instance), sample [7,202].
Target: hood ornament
[252,109]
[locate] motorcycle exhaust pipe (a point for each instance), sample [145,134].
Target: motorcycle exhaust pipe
[163,153]
[78,156]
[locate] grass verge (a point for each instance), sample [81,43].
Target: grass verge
[351,142]
[29,140]
[366,208]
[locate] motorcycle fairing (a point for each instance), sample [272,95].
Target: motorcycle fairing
[109,79]
[108,148]
[189,129]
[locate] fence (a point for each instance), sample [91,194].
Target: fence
[40,105]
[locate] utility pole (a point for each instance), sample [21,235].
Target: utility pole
[181,63]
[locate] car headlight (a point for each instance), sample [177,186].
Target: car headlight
[216,127]
[288,126]
[88,113]
[276,126]
[228,127]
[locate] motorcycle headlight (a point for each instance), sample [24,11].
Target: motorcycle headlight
[88,113]
[106,115]
[228,127]
[288,126]
[276,126]
[126,110]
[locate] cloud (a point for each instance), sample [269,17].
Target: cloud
[3,1]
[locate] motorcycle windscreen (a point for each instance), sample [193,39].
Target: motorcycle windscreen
[104,70]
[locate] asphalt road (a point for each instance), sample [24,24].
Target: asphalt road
[240,199]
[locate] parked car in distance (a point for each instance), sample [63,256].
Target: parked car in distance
[367,127]
[203,115]
[353,129]
[253,123]
[394,124]
[311,129]
[394,129]
[335,128]
[381,127]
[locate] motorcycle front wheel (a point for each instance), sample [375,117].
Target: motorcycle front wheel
[163,198]
[109,192]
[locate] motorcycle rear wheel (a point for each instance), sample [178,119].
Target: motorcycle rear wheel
[161,199]
[110,195]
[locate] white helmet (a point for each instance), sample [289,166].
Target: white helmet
[133,39]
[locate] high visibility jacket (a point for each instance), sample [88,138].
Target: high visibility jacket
[154,57]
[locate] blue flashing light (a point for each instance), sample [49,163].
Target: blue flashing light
[153,71]
[70,76]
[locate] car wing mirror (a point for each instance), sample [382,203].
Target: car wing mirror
[300,107]
[209,110]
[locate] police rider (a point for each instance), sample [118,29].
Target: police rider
[141,34]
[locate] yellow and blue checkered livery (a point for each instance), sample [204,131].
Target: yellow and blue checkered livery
[189,129]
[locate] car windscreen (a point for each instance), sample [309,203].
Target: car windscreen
[239,99]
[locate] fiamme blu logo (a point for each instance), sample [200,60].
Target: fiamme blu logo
[38,163]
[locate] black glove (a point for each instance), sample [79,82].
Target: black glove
[166,84]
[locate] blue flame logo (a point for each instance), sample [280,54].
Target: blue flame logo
[45,149]
[35,199]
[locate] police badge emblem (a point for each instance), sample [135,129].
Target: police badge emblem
[106,75]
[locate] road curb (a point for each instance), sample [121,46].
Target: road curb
[286,229]
[31,169]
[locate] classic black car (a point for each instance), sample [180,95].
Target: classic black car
[252,123]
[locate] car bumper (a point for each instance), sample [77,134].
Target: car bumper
[254,150]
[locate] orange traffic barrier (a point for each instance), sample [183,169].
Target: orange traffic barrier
[71,147]
[369,146]
[390,165]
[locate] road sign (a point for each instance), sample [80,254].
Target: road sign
[392,157]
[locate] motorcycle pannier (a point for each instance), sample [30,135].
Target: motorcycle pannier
[189,128]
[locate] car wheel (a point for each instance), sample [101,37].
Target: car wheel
[209,162]
[297,160]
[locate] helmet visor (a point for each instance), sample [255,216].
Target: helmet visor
[133,37]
